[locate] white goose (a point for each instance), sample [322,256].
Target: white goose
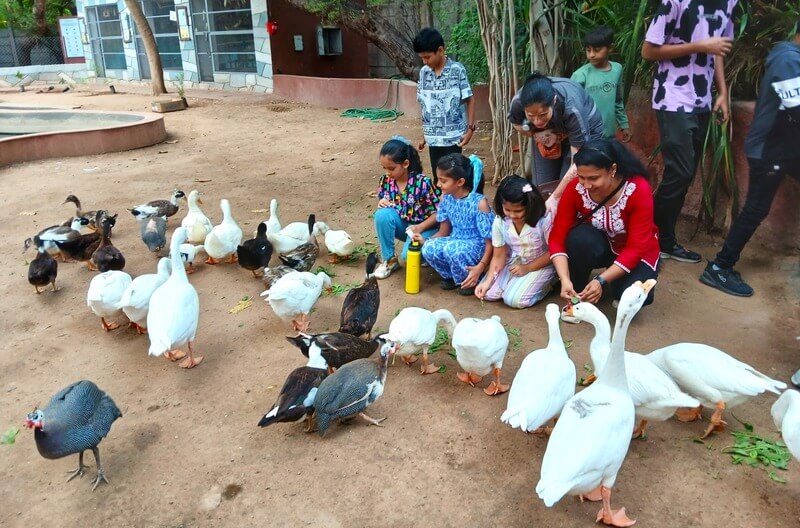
[481,346]
[294,235]
[655,396]
[414,330]
[339,244]
[786,415]
[293,295]
[224,239]
[591,438]
[273,222]
[105,295]
[174,311]
[136,299]
[713,377]
[197,224]
[544,381]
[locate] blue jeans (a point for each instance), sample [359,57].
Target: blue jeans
[390,227]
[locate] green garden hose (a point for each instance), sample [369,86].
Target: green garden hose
[380,114]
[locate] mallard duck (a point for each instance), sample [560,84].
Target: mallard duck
[786,416]
[189,253]
[271,275]
[255,253]
[293,295]
[153,230]
[224,238]
[165,208]
[292,236]
[591,438]
[339,244]
[197,224]
[655,396]
[481,346]
[105,295]
[544,382]
[136,299]
[107,257]
[42,270]
[174,311]
[713,377]
[273,223]
[303,257]
[414,330]
[49,235]
[360,307]
[335,348]
[296,399]
[351,389]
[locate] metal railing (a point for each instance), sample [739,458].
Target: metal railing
[18,48]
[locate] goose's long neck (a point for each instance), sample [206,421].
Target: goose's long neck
[599,347]
[554,334]
[193,207]
[613,373]
[178,271]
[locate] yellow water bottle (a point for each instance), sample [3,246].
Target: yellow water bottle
[413,261]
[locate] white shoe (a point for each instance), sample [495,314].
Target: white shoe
[386,268]
[796,379]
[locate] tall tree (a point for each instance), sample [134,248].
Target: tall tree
[38,15]
[150,47]
[370,25]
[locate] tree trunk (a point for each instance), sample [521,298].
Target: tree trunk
[38,16]
[546,22]
[150,47]
[369,25]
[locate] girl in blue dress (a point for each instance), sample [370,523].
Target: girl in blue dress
[462,248]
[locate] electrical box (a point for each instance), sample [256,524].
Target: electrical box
[298,42]
[329,40]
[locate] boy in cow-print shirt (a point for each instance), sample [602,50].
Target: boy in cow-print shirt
[688,39]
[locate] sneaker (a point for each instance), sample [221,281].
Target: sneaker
[568,318]
[448,284]
[728,281]
[796,379]
[466,291]
[681,254]
[386,268]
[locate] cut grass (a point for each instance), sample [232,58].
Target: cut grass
[756,451]
[338,289]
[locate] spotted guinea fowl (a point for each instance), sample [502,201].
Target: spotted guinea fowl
[296,399]
[42,270]
[107,257]
[360,307]
[254,254]
[153,230]
[77,418]
[335,348]
[303,257]
[165,208]
[351,389]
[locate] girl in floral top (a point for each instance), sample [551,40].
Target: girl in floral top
[407,201]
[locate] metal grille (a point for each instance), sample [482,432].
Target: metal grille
[18,48]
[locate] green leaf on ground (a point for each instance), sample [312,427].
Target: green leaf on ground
[442,338]
[10,436]
[442,369]
[756,451]
[326,271]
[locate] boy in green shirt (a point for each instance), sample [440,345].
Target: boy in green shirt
[602,78]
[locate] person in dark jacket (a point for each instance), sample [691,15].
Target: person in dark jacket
[771,149]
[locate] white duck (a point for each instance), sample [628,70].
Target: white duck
[414,330]
[713,377]
[197,224]
[591,438]
[105,295]
[273,222]
[786,415]
[293,235]
[481,346]
[655,396]
[136,299]
[224,239]
[189,254]
[174,311]
[293,295]
[339,244]
[543,383]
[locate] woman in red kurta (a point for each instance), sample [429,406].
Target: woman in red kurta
[605,220]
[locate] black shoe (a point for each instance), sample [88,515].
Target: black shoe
[466,291]
[448,284]
[681,254]
[728,281]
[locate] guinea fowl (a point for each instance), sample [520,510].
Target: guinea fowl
[255,253]
[336,348]
[303,257]
[296,399]
[360,307]
[165,208]
[107,257]
[77,418]
[351,389]
[153,230]
[43,269]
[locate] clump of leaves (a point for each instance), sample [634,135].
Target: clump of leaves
[9,437]
[514,337]
[365,249]
[442,340]
[326,271]
[754,450]
[338,289]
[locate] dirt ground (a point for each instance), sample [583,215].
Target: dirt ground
[187,451]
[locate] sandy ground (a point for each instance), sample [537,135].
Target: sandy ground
[187,451]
